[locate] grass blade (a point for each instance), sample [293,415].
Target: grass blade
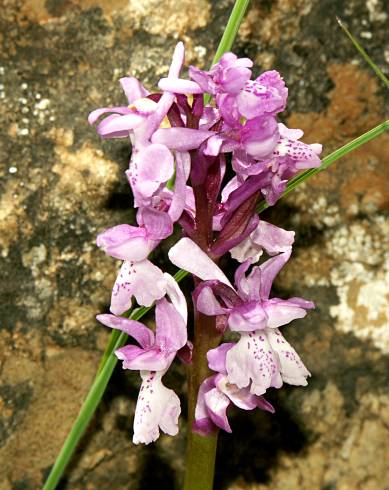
[363,53]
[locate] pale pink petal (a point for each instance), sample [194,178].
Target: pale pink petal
[207,302]
[143,335]
[246,250]
[143,280]
[179,86]
[176,296]
[281,312]
[125,242]
[270,269]
[177,60]
[231,186]
[252,360]
[94,115]
[155,168]
[247,318]
[292,369]
[138,359]
[240,397]
[217,404]
[291,134]
[187,255]
[158,224]
[157,408]
[115,125]
[272,238]
[171,333]
[203,424]
[217,357]
[181,139]
[133,89]
[177,204]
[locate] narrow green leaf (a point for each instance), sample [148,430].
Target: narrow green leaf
[363,53]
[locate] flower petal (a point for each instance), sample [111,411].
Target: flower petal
[203,424]
[281,312]
[133,89]
[217,357]
[179,86]
[181,139]
[157,408]
[176,296]
[94,115]
[292,369]
[206,301]
[151,168]
[136,359]
[143,280]
[171,333]
[217,404]
[143,335]
[187,255]
[157,223]
[272,238]
[125,242]
[270,269]
[247,318]
[177,204]
[116,126]
[253,360]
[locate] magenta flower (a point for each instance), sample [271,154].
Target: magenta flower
[181,153]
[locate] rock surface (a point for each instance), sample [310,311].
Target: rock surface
[60,185]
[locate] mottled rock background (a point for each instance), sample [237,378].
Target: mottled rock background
[60,185]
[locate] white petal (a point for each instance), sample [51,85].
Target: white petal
[187,255]
[253,360]
[246,250]
[176,296]
[143,280]
[157,408]
[293,370]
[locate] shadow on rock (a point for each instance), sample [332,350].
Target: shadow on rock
[253,448]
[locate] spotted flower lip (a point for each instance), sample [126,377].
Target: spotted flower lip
[217,393]
[265,95]
[264,359]
[143,280]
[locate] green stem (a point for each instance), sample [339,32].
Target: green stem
[200,461]
[201,451]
